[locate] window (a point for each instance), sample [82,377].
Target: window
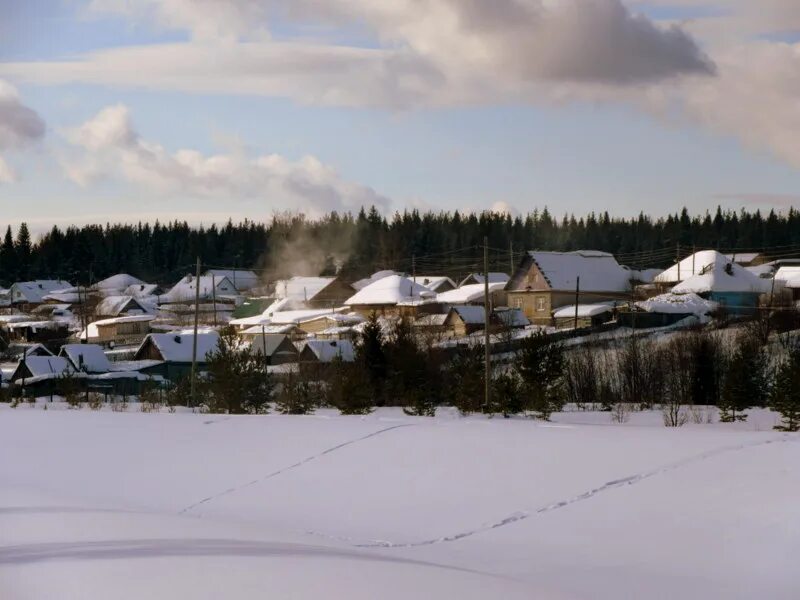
[517,302]
[540,304]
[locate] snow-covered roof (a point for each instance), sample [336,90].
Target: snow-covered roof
[35,325]
[388,291]
[268,344]
[793,284]
[512,317]
[186,288]
[48,365]
[67,297]
[112,306]
[35,291]
[259,329]
[141,290]
[328,350]
[118,282]
[299,316]
[721,275]
[764,271]
[242,279]
[468,293]
[598,271]
[431,320]
[677,304]
[90,356]
[362,283]
[787,273]
[434,282]
[690,266]
[474,278]
[177,346]
[584,310]
[645,275]
[301,289]
[743,258]
[471,315]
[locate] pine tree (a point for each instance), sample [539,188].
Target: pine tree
[506,396]
[785,397]
[348,388]
[466,380]
[297,396]
[540,364]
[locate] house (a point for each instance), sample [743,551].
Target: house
[384,295]
[313,292]
[326,351]
[435,283]
[277,348]
[431,324]
[735,289]
[476,278]
[42,331]
[688,267]
[362,283]
[588,315]
[546,281]
[115,306]
[512,318]
[173,351]
[33,292]
[143,290]
[242,279]
[288,329]
[118,330]
[186,289]
[667,309]
[465,320]
[747,259]
[86,358]
[319,323]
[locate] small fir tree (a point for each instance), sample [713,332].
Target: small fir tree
[785,397]
[540,364]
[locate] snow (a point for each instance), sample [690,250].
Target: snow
[35,291]
[91,331]
[689,303]
[241,279]
[787,273]
[362,283]
[91,356]
[474,278]
[469,293]
[112,306]
[141,291]
[721,276]
[259,329]
[645,275]
[186,289]
[47,366]
[584,310]
[434,282]
[598,271]
[388,291]
[133,505]
[289,317]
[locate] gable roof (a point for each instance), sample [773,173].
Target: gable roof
[389,291]
[270,343]
[301,289]
[89,356]
[242,279]
[584,310]
[362,283]
[327,350]
[113,306]
[186,288]
[140,290]
[39,366]
[693,264]
[471,315]
[512,317]
[721,275]
[670,303]
[598,271]
[435,282]
[35,291]
[177,346]
[474,278]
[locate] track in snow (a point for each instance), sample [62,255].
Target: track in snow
[292,466]
[525,514]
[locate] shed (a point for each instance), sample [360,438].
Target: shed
[465,320]
[87,358]
[278,348]
[326,351]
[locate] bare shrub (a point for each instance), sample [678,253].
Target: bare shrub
[95,401]
[620,412]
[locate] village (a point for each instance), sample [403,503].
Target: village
[120,333]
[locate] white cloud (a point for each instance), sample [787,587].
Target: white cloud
[19,126]
[110,147]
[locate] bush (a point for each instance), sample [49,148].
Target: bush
[349,389]
[297,396]
[785,397]
[540,365]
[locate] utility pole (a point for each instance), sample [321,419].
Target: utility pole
[678,260]
[214,296]
[414,268]
[486,314]
[577,299]
[193,387]
[694,257]
[511,257]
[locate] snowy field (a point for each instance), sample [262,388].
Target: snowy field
[100,505]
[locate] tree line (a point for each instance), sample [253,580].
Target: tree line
[359,244]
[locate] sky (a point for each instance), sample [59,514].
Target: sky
[205,110]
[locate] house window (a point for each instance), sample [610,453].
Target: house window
[517,302]
[540,304]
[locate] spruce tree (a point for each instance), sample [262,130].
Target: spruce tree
[8,258]
[745,382]
[23,251]
[371,357]
[785,397]
[540,364]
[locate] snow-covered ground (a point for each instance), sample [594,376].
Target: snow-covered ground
[134,505]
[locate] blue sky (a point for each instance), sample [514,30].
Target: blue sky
[611,150]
